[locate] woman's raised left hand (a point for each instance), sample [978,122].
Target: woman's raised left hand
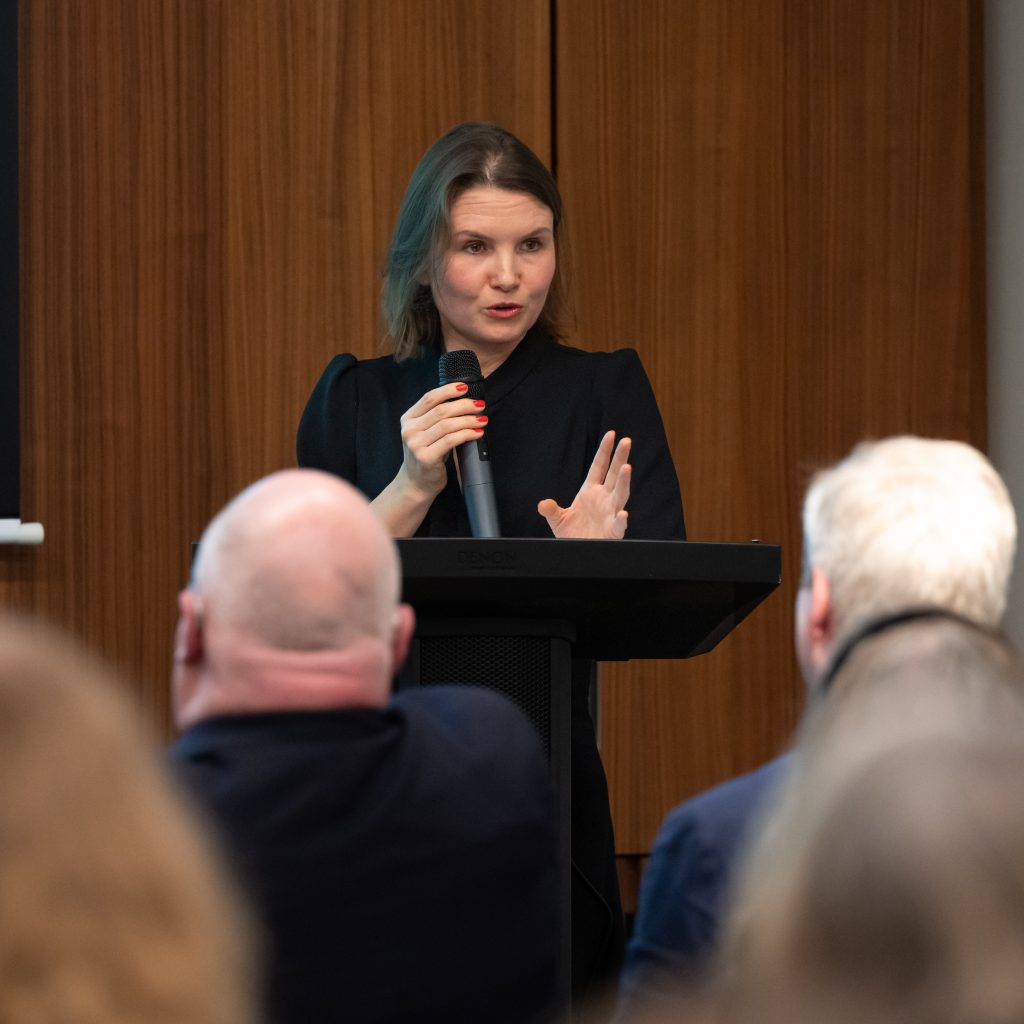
[598,512]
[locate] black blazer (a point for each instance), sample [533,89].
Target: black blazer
[548,407]
[402,860]
[686,883]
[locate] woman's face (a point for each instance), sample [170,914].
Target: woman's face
[496,273]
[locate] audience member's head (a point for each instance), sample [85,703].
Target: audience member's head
[903,900]
[293,604]
[112,907]
[933,683]
[901,523]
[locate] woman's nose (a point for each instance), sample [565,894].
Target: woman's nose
[505,271]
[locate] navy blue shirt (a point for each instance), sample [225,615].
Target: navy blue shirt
[685,886]
[402,860]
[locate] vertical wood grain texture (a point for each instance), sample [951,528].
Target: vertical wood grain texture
[778,203]
[207,193]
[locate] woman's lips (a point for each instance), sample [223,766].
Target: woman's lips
[504,310]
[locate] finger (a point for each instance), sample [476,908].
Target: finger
[439,448]
[619,525]
[447,412]
[550,510]
[620,493]
[420,433]
[454,424]
[459,407]
[599,467]
[472,430]
[620,459]
[437,396]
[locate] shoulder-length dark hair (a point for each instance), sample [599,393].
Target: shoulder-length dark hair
[469,155]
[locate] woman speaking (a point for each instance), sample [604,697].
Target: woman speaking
[474,265]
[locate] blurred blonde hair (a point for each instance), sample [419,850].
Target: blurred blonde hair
[113,905]
[905,900]
[807,927]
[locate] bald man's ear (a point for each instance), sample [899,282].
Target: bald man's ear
[188,641]
[401,636]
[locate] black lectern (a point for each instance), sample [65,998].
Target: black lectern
[512,614]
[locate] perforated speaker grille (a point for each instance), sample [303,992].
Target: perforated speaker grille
[462,364]
[517,666]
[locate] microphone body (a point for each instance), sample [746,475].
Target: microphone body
[474,462]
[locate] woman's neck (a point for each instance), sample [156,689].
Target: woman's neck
[490,356]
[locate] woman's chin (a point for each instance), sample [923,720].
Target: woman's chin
[489,342]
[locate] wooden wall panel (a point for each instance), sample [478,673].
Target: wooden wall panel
[778,203]
[207,190]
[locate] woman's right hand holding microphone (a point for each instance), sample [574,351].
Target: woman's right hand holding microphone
[440,421]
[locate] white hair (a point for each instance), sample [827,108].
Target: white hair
[908,522]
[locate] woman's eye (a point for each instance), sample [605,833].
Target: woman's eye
[533,244]
[474,247]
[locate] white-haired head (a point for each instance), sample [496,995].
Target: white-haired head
[904,523]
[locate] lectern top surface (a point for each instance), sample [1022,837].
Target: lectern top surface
[623,599]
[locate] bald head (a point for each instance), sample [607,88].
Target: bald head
[293,604]
[298,562]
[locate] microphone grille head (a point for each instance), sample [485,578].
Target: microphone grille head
[460,365]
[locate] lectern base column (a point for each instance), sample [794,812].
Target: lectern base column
[530,662]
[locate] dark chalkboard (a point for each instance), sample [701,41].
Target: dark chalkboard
[10,437]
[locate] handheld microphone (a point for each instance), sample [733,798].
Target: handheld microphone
[474,462]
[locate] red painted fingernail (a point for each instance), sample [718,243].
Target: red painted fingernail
[479,403]
[461,387]
[479,430]
[481,419]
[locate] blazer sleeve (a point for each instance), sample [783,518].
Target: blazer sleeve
[327,430]
[626,404]
[677,915]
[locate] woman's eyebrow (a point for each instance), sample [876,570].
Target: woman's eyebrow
[545,230]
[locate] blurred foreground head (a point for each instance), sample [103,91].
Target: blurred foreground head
[888,882]
[113,906]
[906,899]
